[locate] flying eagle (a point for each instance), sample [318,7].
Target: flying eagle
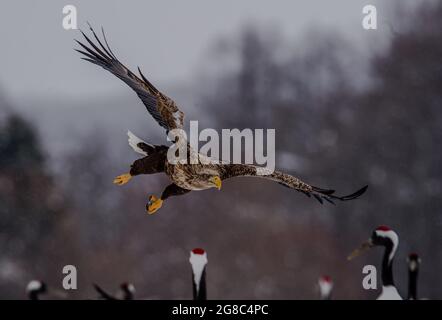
[184,177]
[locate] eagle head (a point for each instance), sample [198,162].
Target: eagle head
[216,182]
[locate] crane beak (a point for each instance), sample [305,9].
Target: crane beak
[364,247]
[217,181]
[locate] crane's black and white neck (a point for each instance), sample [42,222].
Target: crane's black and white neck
[35,289]
[413,272]
[127,291]
[198,261]
[385,237]
[325,287]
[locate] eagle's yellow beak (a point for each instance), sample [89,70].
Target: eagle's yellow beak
[217,181]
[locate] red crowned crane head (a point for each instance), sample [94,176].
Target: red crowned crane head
[325,286]
[381,236]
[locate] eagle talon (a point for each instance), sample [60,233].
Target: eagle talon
[122,179]
[153,204]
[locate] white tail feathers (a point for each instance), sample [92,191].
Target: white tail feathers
[134,141]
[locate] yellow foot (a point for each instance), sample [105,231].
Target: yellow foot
[154,204]
[123,179]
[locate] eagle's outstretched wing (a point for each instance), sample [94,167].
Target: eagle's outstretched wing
[242,170]
[162,108]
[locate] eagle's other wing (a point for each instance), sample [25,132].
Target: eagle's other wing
[242,170]
[162,108]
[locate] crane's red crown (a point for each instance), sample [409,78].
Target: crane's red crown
[198,251]
[383,228]
[413,255]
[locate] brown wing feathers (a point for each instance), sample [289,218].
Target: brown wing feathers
[289,181]
[159,106]
[150,85]
[326,194]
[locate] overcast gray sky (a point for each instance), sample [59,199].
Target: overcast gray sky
[166,38]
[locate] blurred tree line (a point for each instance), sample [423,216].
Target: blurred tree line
[340,122]
[30,204]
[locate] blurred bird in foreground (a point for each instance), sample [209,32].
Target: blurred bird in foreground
[126,292]
[413,262]
[198,261]
[37,289]
[385,237]
[325,287]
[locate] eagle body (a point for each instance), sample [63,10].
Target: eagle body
[185,175]
[189,176]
